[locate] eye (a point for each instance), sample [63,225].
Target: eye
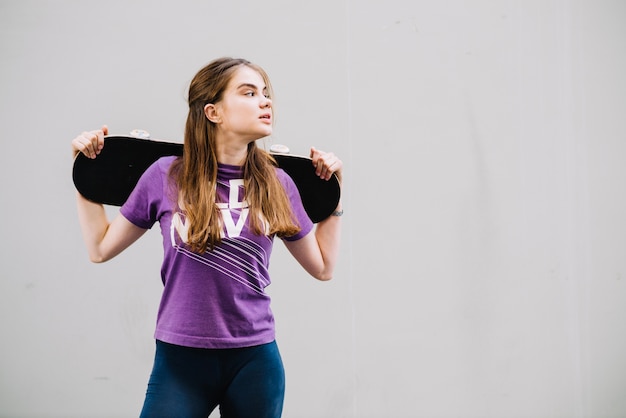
[250,93]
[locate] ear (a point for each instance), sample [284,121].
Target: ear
[211,113]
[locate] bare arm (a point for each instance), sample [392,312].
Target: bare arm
[103,239]
[318,251]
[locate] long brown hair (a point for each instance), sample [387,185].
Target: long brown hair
[195,173]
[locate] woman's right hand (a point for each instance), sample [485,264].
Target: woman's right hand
[90,143]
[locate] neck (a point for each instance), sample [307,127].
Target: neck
[232,157]
[231,152]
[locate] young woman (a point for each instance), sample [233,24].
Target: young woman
[219,207]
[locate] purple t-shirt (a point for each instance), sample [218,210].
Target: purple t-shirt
[216,299]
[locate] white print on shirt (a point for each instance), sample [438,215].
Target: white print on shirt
[179,227]
[234,230]
[231,229]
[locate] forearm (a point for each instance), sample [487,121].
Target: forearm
[328,236]
[94,225]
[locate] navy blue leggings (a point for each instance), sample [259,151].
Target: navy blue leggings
[192,382]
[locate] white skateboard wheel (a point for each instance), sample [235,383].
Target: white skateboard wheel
[140,133]
[279,149]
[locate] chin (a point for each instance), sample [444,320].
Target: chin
[259,137]
[268,132]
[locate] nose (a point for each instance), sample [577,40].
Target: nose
[266,102]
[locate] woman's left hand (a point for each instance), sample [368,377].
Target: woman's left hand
[326,163]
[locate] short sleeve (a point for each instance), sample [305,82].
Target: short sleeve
[305,223]
[145,204]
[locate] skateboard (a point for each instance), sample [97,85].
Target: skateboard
[111,177]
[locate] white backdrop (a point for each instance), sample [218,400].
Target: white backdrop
[483,268]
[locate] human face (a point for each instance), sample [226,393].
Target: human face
[245,112]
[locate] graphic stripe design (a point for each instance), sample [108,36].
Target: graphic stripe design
[240,254]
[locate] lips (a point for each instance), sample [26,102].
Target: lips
[266,117]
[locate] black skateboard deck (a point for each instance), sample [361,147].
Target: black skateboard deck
[112,175]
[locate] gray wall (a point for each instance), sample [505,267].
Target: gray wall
[483,268]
